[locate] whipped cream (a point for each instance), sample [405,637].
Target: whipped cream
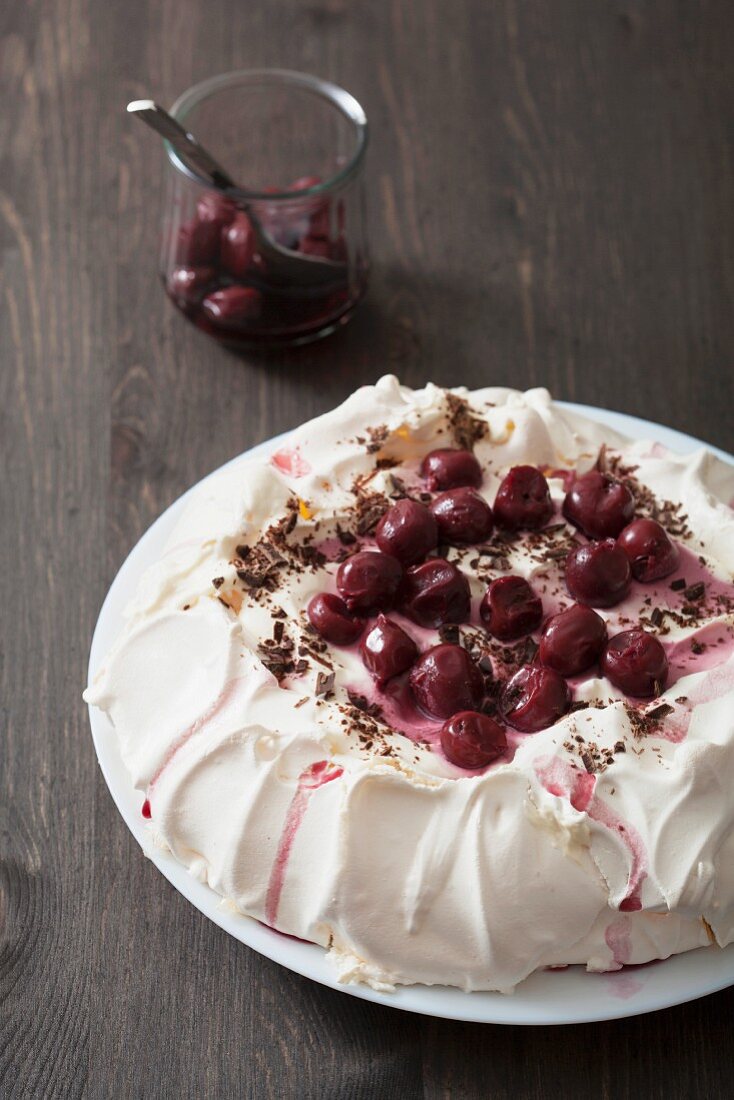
[268,770]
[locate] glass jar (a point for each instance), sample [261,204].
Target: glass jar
[295,145]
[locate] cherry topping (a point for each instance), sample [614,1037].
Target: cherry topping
[238,246]
[510,608]
[534,698]
[369,581]
[448,468]
[445,680]
[598,573]
[462,516]
[232,305]
[187,284]
[387,650]
[651,552]
[407,531]
[472,740]
[572,640]
[523,500]
[636,663]
[331,618]
[599,505]
[435,593]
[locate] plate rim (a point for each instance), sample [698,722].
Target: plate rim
[528,1006]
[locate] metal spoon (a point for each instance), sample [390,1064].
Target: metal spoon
[283,265]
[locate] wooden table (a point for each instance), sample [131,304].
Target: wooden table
[552,204]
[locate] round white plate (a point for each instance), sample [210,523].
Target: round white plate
[546,997]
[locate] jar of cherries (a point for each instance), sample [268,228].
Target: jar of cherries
[295,145]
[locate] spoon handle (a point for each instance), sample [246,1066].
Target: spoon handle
[184,143]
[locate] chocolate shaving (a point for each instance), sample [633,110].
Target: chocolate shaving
[678,584]
[695,591]
[466,428]
[324,683]
[218,582]
[662,710]
[656,616]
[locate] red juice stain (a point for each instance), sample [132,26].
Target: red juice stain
[290,461]
[146,809]
[315,776]
[564,780]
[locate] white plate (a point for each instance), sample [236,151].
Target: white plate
[547,997]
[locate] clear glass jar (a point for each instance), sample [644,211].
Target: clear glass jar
[295,145]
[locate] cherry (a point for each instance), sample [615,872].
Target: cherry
[523,500]
[215,209]
[445,680]
[232,305]
[472,740]
[407,531]
[572,640]
[599,505]
[387,650]
[187,284]
[315,246]
[305,183]
[238,246]
[510,608]
[651,552]
[598,573]
[435,593]
[534,698]
[317,207]
[636,663]
[448,468]
[330,617]
[197,243]
[369,581]
[462,516]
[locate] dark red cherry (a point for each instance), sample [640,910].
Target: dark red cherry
[188,284]
[233,305]
[448,468]
[636,663]
[407,531]
[197,244]
[215,209]
[316,207]
[534,698]
[369,581]
[651,552]
[445,680]
[598,573]
[462,516]
[472,740]
[387,650]
[304,183]
[435,593]
[510,608]
[238,246]
[315,246]
[331,618]
[572,640]
[599,505]
[523,500]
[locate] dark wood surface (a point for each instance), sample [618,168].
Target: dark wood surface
[552,203]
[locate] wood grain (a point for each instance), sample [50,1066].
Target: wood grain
[552,204]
